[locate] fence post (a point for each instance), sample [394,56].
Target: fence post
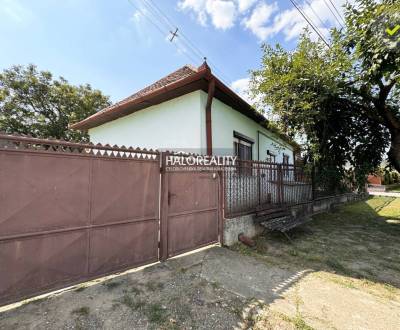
[313,182]
[259,183]
[280,184]
[163,243]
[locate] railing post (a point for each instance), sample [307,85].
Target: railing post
[313,182]
[163,243]
[259,183]
[280,184]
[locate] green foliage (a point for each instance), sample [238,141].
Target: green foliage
[390,177]
[343,100]
[33,102]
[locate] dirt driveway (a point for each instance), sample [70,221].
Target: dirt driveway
[341,273]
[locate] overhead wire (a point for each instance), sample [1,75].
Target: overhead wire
[317,16]
[337,11]
[332,12]
[145,14]
[310,22]
[184,40]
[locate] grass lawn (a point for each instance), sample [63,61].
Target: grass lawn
[395,189]
[357,247]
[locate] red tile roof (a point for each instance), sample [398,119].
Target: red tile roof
[179,74]
[182,81]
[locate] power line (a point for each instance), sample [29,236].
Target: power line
[143,13]
[337,11]
[317,16]
[186,42]
[316,30]
[149,18]
[332,12]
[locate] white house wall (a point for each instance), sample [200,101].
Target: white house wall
[225,120]
[174,124]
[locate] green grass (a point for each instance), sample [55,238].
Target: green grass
[359,241]
[132,303]
[155,313]
[154,286]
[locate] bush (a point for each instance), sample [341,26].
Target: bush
[395,177]
[391,177]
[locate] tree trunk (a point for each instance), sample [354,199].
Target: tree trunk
[394,152]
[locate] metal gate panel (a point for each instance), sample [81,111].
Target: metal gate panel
[191,204]
[120,246]
[42,192]
[35,264]
[71,212]
[124,190]
[190,231]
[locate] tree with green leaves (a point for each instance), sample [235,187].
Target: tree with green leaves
[343,100]
[33,102]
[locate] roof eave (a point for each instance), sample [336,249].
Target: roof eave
[124,109]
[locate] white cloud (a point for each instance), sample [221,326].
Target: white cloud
[197,6]
[137,16]
[241,87]
[261,15]
[14,10]
[291,23]
[244,5]
[222,13]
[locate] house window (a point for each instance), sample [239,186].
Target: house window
[243,149]
[243,146]
[270,157]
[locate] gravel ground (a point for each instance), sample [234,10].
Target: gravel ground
[171,295]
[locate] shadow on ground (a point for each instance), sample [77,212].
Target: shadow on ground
[352,260]
[339,272]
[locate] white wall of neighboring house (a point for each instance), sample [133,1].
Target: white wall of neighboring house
[225,120]
[174,124]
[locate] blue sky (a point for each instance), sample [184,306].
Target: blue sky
[116,47]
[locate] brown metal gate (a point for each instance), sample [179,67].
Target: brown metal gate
[71,212]
[191,212]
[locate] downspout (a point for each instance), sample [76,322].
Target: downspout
[211,89]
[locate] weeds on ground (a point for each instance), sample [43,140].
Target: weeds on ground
[82,311]
[80,289]
[155,313]
[154,286]
[110,285]
[133,304]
